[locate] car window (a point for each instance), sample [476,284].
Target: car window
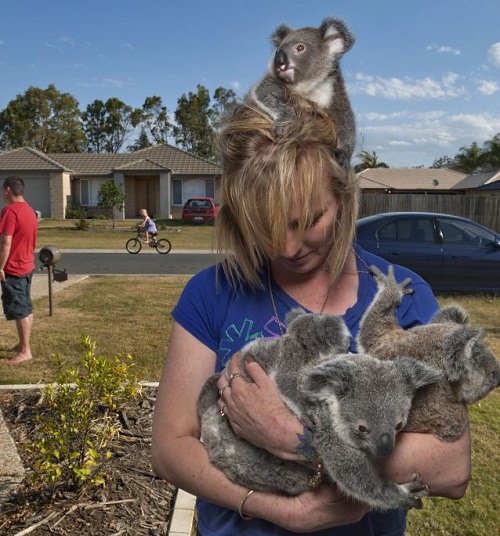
[387,233]
[415,230]
[464,234]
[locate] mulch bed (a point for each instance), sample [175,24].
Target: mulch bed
[132,502]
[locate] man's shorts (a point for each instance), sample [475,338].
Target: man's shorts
[16,296]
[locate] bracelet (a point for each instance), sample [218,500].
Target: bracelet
[244,516]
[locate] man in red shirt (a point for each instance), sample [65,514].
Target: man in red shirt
[18,231]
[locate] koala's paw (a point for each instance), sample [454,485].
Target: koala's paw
[388,283]
[414,490]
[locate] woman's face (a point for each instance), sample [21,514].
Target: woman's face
[310,253]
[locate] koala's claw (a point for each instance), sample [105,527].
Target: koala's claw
[389,281]
[415,490]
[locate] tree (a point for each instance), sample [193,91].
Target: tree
[110,196]
[44,119]
[153,121]
[107,125]
[142,142]
[443,162]
[94,126]
[469,159]
[491,153]
[197,120]
[369,160]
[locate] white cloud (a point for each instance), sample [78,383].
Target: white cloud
[236,85]
[400,143]
[487,87]
[494,54]
[68,40]
[2,43]
[374,116]
[409,88]
[443,49]
[53,47]
[128,46]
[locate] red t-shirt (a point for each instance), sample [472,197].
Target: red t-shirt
[19,221]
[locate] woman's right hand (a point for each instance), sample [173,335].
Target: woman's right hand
[325,507]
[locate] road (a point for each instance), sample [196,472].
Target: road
[111,263]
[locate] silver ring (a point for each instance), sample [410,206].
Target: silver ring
[222,390]
[235,375]
[222,412]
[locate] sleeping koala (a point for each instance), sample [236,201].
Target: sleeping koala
[354,406]
[448,343]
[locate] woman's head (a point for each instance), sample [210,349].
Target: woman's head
[275,189]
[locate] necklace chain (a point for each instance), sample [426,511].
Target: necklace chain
[271,293]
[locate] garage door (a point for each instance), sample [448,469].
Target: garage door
[37,194]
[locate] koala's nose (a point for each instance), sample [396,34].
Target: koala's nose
[280,59]
[385,445]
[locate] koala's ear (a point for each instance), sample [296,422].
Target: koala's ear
[280,33]
[333,377]
[453,313]
[459,344]
[292,315]
[415,373]
[339,38]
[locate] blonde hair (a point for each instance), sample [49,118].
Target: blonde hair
[264,175]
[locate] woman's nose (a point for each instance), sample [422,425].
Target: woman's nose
[292,244]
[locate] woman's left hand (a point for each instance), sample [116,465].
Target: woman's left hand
[256,410]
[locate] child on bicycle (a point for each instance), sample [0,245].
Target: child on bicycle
[147,224]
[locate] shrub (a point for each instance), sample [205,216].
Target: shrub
[75,211]
[79,417]
[82,224]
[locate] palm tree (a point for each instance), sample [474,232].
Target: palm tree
[369,160]
[469,159]
[491,152]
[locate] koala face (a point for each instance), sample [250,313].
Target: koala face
[308,53]
[367,401]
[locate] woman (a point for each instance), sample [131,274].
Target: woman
[286,231]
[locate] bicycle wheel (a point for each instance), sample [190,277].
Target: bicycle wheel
[133,245]
[163,246]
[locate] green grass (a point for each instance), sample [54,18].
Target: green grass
[101,235]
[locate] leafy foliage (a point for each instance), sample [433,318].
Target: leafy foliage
[44,119]
[109,195]
[369,160]
[78,418]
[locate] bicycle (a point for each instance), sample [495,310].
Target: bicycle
[134,245]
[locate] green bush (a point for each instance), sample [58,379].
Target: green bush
[75,211]
[78,418]
[82,224]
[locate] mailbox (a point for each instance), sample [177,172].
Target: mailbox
[49,255]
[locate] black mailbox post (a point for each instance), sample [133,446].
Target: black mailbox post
[49,256]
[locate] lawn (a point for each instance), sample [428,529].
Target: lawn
[101,235]
[132,315]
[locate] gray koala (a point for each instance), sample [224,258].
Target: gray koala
[354,405]
[448,343]
[306,62]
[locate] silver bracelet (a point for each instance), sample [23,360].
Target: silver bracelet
[244,516]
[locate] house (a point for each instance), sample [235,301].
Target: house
[159,178]
[415,180]
[480,184]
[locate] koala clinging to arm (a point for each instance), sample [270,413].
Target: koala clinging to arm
[448,343]
[353,405]
[306,62]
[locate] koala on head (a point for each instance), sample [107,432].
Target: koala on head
[354,406]
[448,343]
[305,62]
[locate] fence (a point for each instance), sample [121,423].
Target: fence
[483,209]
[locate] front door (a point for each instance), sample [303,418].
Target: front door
[145,195]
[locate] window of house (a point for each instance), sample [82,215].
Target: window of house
[84,192]
[210,189]
[177,192]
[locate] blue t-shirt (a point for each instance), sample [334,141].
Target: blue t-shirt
[225,320]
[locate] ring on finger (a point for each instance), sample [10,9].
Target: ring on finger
[222,411]
[222,390]
[235,375]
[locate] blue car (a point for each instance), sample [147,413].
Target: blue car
[452,254]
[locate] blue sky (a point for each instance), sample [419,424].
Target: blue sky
[423,75]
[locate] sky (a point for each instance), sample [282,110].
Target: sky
[423,76]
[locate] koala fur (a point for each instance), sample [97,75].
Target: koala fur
[305,61]
[354,405]
[448,343]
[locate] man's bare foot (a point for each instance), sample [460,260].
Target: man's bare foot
[20,357]
[14,349]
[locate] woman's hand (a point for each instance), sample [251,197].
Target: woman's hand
[256,410]
[315,510]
